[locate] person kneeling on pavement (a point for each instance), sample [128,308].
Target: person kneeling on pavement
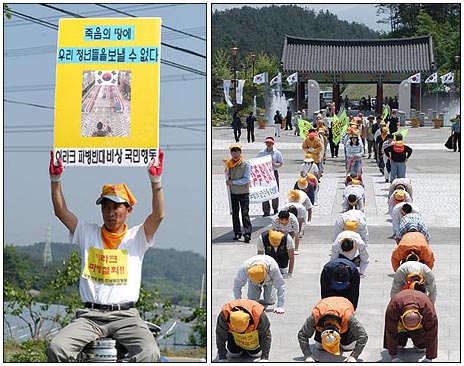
[336,327]
[412,247]
[262,274]
[243,327]
[287,222]
[353,220]
[349,245]
[354,196]
[411,272]
[411,314]
[279,246]
[340,277]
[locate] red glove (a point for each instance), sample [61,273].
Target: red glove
[155,171]
[55,170]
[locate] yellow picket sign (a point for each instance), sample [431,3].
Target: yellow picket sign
[107,91]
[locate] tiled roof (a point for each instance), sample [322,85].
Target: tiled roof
[402,55]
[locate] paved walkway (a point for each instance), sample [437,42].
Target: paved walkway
[435,173]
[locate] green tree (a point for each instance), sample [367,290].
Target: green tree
[198,318]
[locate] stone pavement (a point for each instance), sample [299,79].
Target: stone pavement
[435,174]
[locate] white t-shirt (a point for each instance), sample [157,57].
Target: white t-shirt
[110,276]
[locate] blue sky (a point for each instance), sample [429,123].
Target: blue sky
[29,77]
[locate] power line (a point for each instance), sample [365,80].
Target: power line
[164,26]
[29,104]
[163,61]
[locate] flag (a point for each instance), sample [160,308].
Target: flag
[342,116]
[292,79]
[339,127]
[385,112]
[447,78]
[403,132]
[432,78]
[304,126]
[415,79]
[227,92]
[103,77]
[276,80]
[240,91]
[260,78]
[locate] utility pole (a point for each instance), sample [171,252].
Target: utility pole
[202,289]
[47,256]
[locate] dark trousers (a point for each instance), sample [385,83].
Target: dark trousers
[417,337]
[237,134]
[251,134]
[275,201]
[241,202]
[457,141]
[288,124]
[333,148]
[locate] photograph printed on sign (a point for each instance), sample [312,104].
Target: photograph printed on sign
[105,105]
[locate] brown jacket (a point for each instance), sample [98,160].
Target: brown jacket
[428,334]
[316,144]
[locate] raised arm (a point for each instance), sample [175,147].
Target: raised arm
[153,221]
[59,204]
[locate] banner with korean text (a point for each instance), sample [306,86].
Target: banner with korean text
[263,185]
[107,91]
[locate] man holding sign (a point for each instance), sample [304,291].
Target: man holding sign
[111,269]
[238,178]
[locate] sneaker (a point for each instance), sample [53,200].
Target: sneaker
[237,236]
[247,238]
[386,180]
[295,252]
[266,215]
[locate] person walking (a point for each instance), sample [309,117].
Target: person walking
[370,136]
[313,145]
[393,123]
[109,300]
[398,153]
[238,177]
[333,146]
[354,152]
[243,327]
[250,123]
[262,274]
[411,314]
[237,126]
[288,119]
[277,123]
[456,133]
[277,162]
[336,330]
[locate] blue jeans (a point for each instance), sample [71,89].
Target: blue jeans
[398,170]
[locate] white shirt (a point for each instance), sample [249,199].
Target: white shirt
[391,200]
[358,191]
[291,227]
[397,216]
[360,248]
[134,244]
[306,168]
[302,212]
[273,277]
[304,199]
[352,215]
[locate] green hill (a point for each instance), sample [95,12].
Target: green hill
[256,30]
[176,274]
